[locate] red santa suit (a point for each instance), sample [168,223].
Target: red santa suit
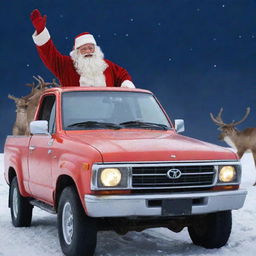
[63,66]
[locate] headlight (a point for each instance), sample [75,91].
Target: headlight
[227,174]
[110,177]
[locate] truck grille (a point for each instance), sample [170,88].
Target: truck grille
[157,176]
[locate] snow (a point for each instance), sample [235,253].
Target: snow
[41,239]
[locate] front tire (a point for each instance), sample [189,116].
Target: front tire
[77,232]
[212,230]
[21,209]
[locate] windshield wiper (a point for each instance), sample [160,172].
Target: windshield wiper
[141,124]
[95,124]
[135,124]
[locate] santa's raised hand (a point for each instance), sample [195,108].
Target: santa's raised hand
[38,21]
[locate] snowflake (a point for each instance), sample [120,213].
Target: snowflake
[127,34]
[131,19]
[28,65]
[214,65]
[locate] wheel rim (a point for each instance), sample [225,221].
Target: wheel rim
[15,202]
[67,223]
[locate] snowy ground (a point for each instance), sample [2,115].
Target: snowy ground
[41,238]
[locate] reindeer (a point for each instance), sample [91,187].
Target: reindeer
[20,126]
[26,106]
[239,140]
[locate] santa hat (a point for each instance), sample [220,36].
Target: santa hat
[84,38]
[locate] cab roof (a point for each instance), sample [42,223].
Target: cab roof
[75,89]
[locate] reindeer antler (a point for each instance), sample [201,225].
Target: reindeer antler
[245,116]
[33,90]
[31,85]
[41,83]
[218,119]
[54,83]
[12,97]
[20,102]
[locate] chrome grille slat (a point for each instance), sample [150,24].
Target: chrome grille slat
[138,175]
[197,173]
[184,174]
[176,184]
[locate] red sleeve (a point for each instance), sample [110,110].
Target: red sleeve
[52,58]
[120,74]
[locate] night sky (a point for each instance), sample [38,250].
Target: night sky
[194,55]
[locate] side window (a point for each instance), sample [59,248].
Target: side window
[47,112]
[52,127]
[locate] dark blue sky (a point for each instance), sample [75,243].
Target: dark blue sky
[195,55]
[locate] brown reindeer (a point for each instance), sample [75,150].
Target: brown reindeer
[239,140]
[20,126]
[26,106]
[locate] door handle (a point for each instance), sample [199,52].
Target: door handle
[31,148]
[50,152]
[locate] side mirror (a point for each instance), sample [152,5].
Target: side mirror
[179,125]
[39,127]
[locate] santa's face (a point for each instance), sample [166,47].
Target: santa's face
[90,65]
[87,50]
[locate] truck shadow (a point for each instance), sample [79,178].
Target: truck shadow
[143,243]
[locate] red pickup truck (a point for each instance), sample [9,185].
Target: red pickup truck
[111,159]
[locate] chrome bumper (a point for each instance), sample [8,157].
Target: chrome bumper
[140,205]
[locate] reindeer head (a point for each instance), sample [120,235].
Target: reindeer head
[227,130]
[21,103]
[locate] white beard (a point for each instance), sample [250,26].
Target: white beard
[91,68]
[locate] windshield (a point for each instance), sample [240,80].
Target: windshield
[100,110]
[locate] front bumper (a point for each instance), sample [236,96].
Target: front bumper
[143,205]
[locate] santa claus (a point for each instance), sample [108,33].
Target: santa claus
[85,66]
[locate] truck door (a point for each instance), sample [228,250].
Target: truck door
[40,157]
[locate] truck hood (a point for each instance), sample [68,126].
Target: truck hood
[140,146]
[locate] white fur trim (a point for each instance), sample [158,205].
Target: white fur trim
[73,54]
[42,38]
[84,39]
[128,84]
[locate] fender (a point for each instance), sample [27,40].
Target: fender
[15,157]
[80,175]
[16,165]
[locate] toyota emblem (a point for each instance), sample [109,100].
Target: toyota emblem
[174,174]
